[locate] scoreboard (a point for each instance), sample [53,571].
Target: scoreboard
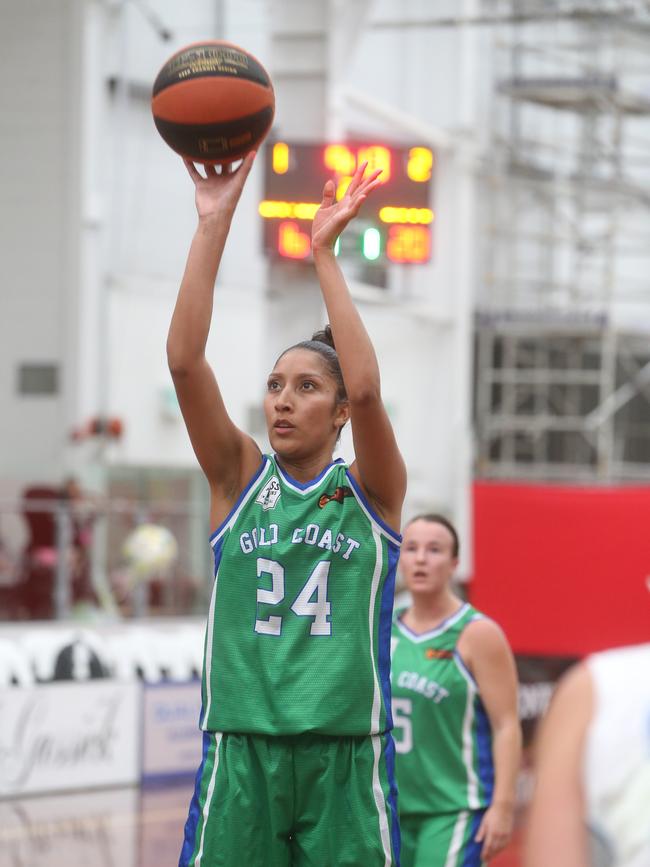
[394,222]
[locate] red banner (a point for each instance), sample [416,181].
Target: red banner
[564,570]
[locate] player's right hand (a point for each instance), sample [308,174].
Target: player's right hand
[217,194]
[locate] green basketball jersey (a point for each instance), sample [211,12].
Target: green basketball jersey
[298,633]
[442,732]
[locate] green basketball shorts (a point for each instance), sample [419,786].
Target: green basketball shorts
[445,840]
[299,801]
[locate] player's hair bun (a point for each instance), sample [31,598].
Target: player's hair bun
[324,336]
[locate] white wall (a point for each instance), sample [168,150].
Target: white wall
[140,218]
[39,100]
[135,219]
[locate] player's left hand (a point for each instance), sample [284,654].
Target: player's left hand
[332,216]
[495,830]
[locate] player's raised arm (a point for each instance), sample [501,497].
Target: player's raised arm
[378,465]
[225,453]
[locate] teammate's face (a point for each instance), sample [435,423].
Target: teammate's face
[302,413]
[427,561]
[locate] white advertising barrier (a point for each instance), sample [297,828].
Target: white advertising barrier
[14,665]
[93,829]
[156,652]
[171,739]
[64,736]
[65,654]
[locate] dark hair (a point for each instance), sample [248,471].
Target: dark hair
[322,343]
[433,518]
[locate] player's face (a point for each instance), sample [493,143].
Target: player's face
[302,413]
[426,561]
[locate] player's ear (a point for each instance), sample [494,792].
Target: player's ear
[342,415]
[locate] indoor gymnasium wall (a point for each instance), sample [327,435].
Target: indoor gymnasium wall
[39,183]
[137,219]
[97,219]
[152,203]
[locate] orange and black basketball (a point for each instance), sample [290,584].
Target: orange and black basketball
[213,102]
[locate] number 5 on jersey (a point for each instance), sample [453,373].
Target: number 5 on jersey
[304,605]
[402,710]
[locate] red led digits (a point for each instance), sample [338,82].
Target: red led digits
[343,160]
[395,221]
[408,244]
[378,157]
[339,159]
[292,243]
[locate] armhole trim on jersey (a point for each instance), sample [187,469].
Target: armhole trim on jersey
[241,500]
[372,516]
[464,670]
[460,662]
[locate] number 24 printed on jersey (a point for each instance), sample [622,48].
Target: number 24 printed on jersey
[304,604]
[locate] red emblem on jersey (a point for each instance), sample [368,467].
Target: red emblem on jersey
[337,497]
[434,653]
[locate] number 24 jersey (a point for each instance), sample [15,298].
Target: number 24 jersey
[298,632]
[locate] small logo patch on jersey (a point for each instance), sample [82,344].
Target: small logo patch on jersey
[337,497]
[269,495]
[434,653]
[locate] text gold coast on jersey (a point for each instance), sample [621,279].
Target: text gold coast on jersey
[313,534]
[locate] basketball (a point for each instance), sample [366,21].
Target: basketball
[150,551]
[213,102]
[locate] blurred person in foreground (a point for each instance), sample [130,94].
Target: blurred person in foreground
[591,804]
[455,701]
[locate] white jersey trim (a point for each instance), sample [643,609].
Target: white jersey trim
[208,798]
[317,482]
[464,670]
[457,839]
[376,577]
[434,633]
[380,802]
[468,750]
[214,539]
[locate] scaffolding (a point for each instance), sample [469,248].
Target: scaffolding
[562,377]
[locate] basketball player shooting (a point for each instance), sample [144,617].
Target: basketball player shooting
[297,754]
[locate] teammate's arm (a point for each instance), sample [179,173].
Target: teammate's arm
[484,648]
[226,455]
[379,465]
[556,829]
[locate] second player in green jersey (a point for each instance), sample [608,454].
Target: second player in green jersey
[437,703]
[455,712]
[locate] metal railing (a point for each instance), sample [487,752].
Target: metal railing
[97,557]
